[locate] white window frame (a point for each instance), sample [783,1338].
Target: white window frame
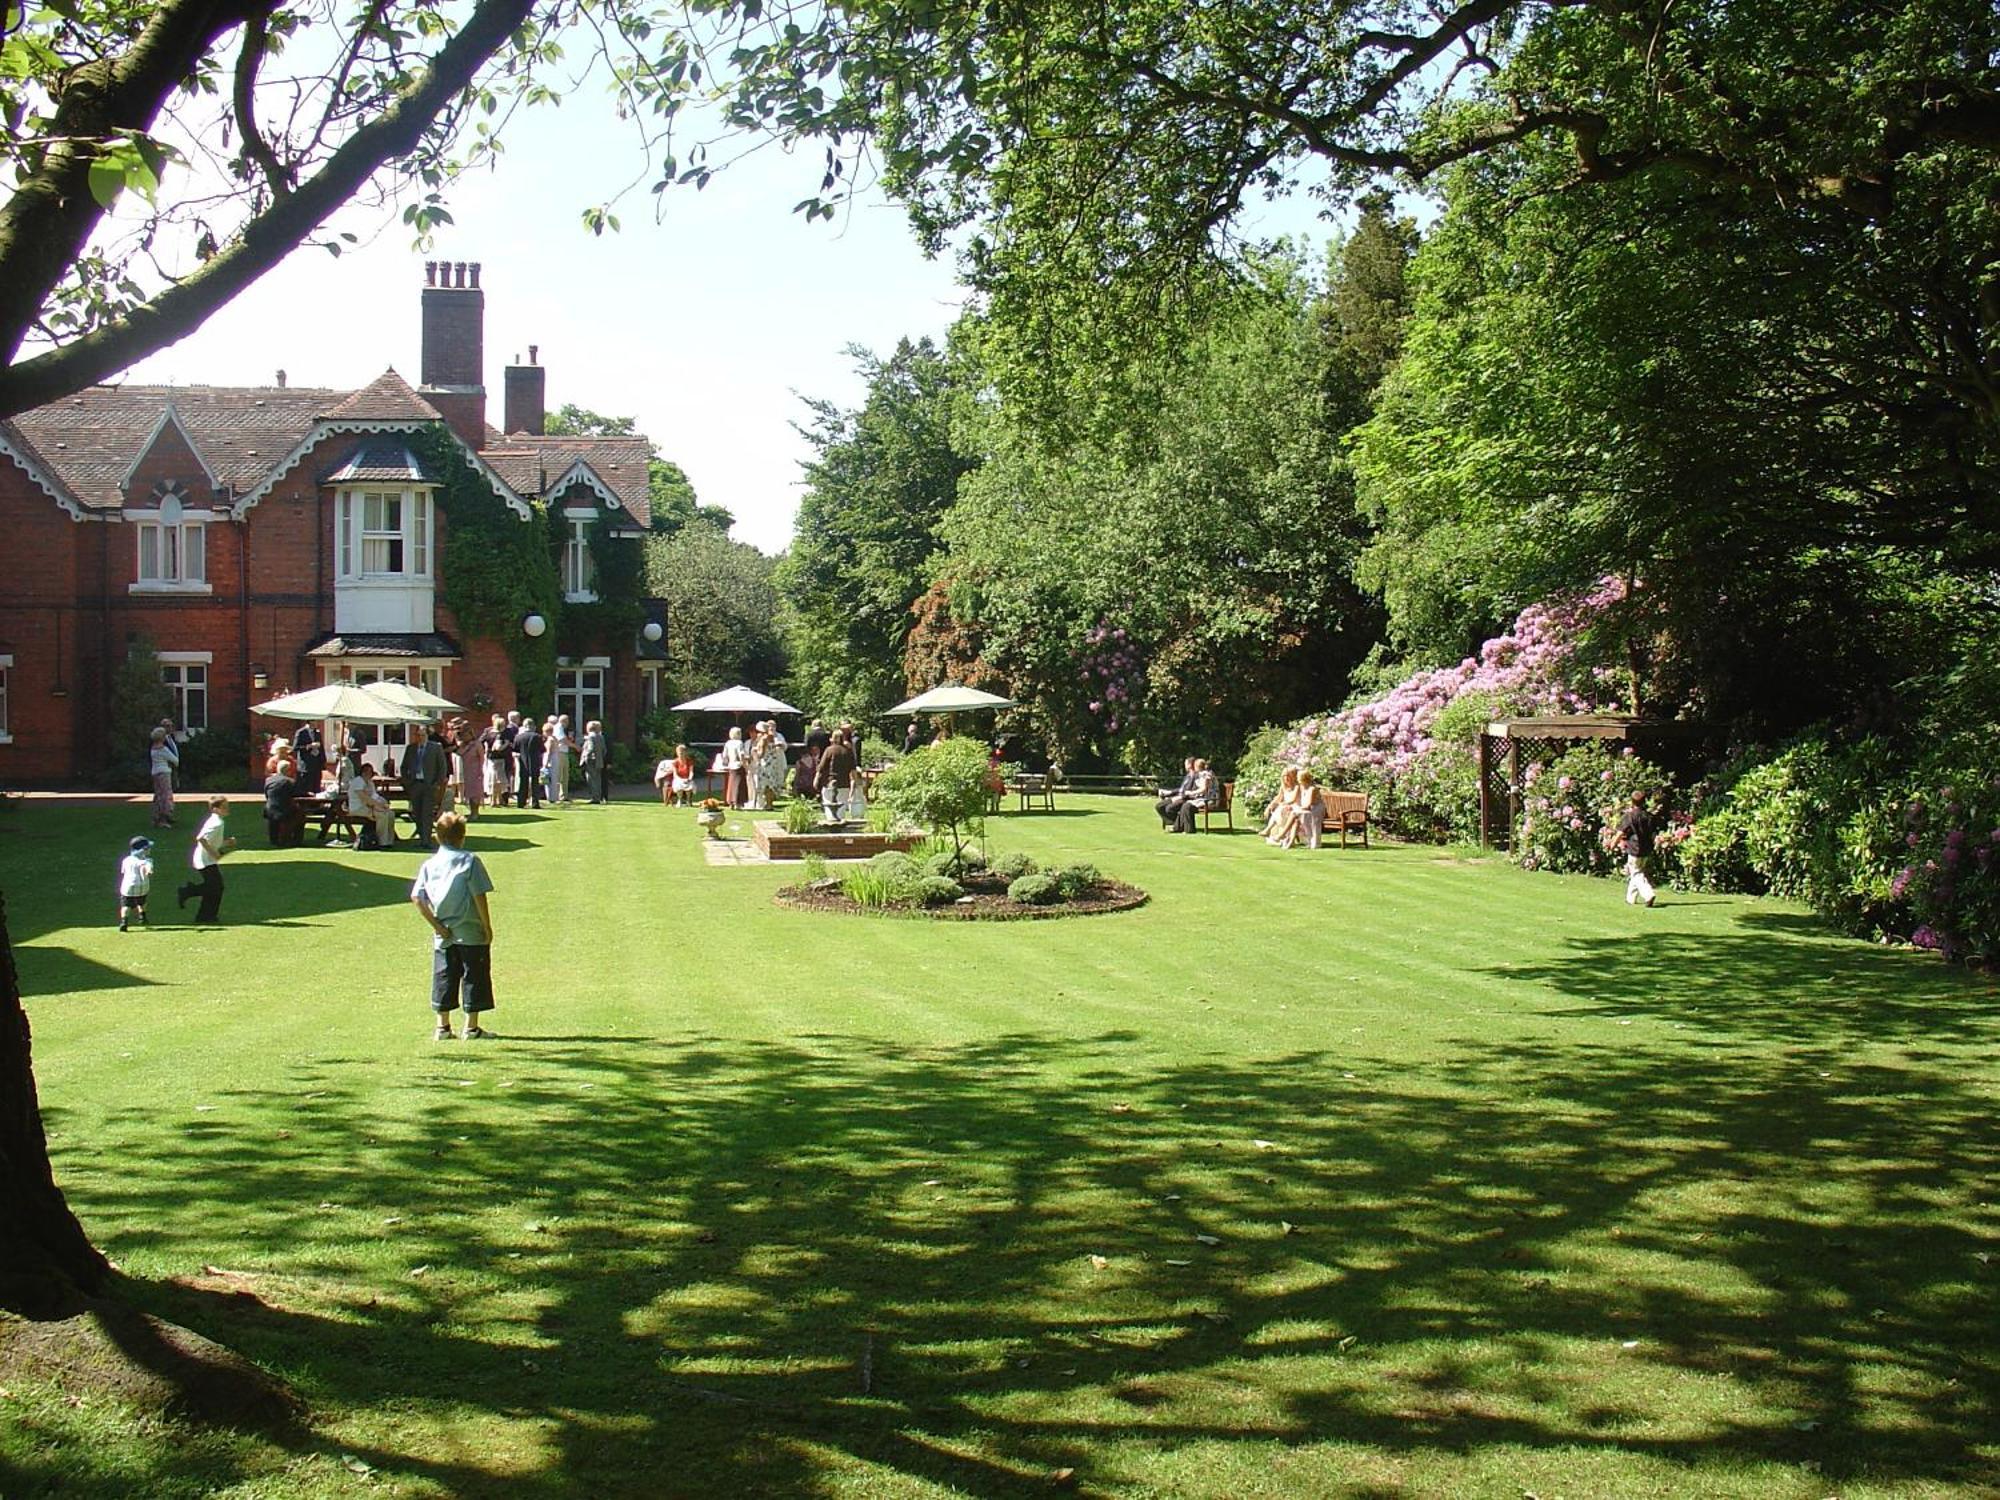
[179,538]
[6,723]
[179,664]
[416,531]
[570,698]
[579,568]
[649,687]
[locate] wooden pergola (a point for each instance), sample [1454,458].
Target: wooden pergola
[1500,745]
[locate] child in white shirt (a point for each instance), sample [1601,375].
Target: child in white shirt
[135,880]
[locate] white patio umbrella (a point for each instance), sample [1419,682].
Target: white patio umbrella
[393,691]
[950,698]
[735,700]
[340,700]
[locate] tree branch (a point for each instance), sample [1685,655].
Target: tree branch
[274,233]
[255,147]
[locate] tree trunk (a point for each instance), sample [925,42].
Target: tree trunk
[47,1263]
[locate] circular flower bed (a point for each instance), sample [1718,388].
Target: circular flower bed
[973,896]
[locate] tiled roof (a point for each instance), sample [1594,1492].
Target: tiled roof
[41,468]
[431,643]
[386,398]
[532,464]
[381,458]
[91,439]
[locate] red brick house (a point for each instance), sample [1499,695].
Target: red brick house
[268,539]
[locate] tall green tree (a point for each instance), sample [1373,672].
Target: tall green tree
[1757,414]
[1187,572]
[1092,159]
[723,609]
[882,477]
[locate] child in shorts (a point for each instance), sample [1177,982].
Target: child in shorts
[135,880]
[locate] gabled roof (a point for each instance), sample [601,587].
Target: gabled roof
[90,440]
[386,398]
[169,418]
[14,444]
[614,466]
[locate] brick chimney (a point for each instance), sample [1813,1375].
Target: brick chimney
[454,354]
[527,393]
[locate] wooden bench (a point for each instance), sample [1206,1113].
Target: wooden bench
[1346,811]
[1225,809]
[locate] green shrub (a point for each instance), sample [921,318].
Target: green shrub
[799,815]
[217,760]
[1034,890]
[941,787]
[1076,881]
[938,890]
[814,866]
[866,887]
[1571,805]
[1011,867]
[955,864]
[899,872]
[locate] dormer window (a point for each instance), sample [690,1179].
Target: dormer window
[173,547]
[384,534]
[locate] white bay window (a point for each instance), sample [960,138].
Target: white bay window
[385,534]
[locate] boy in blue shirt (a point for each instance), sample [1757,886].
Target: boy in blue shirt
[450,891]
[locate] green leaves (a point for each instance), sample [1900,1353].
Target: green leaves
[133,162]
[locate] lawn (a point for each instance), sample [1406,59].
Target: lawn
[1359,1173]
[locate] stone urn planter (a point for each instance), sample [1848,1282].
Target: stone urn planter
[709,819]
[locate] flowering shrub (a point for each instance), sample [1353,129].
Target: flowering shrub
[1571,805]
[1115,675]
[1411,749]
[1875,843]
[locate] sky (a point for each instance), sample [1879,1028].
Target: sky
[709,326]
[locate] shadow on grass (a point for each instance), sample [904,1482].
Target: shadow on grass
[747,1266]
[1780,976]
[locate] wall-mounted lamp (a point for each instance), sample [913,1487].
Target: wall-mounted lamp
[652,630]
[532,626]
[260,677]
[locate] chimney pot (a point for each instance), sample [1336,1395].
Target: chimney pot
[533,350]
[458,271]
[281,380]
[474,268]
[430,273]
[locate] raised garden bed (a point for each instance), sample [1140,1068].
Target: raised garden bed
[846,841]
[986,900]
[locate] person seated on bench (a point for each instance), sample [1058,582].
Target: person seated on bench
[1205,795]
[284,818]
[1283,810]
[365,802]
[1308,816]
[1169,805]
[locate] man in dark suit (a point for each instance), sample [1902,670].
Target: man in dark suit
[425,770]
[528,762]
[311,756]
[1170,803]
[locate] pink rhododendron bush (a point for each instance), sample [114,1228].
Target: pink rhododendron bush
[1881,838]
[1412,750]
[1879,845]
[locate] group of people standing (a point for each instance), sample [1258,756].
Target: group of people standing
[513,757]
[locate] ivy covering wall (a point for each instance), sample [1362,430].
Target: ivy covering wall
[494,569]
